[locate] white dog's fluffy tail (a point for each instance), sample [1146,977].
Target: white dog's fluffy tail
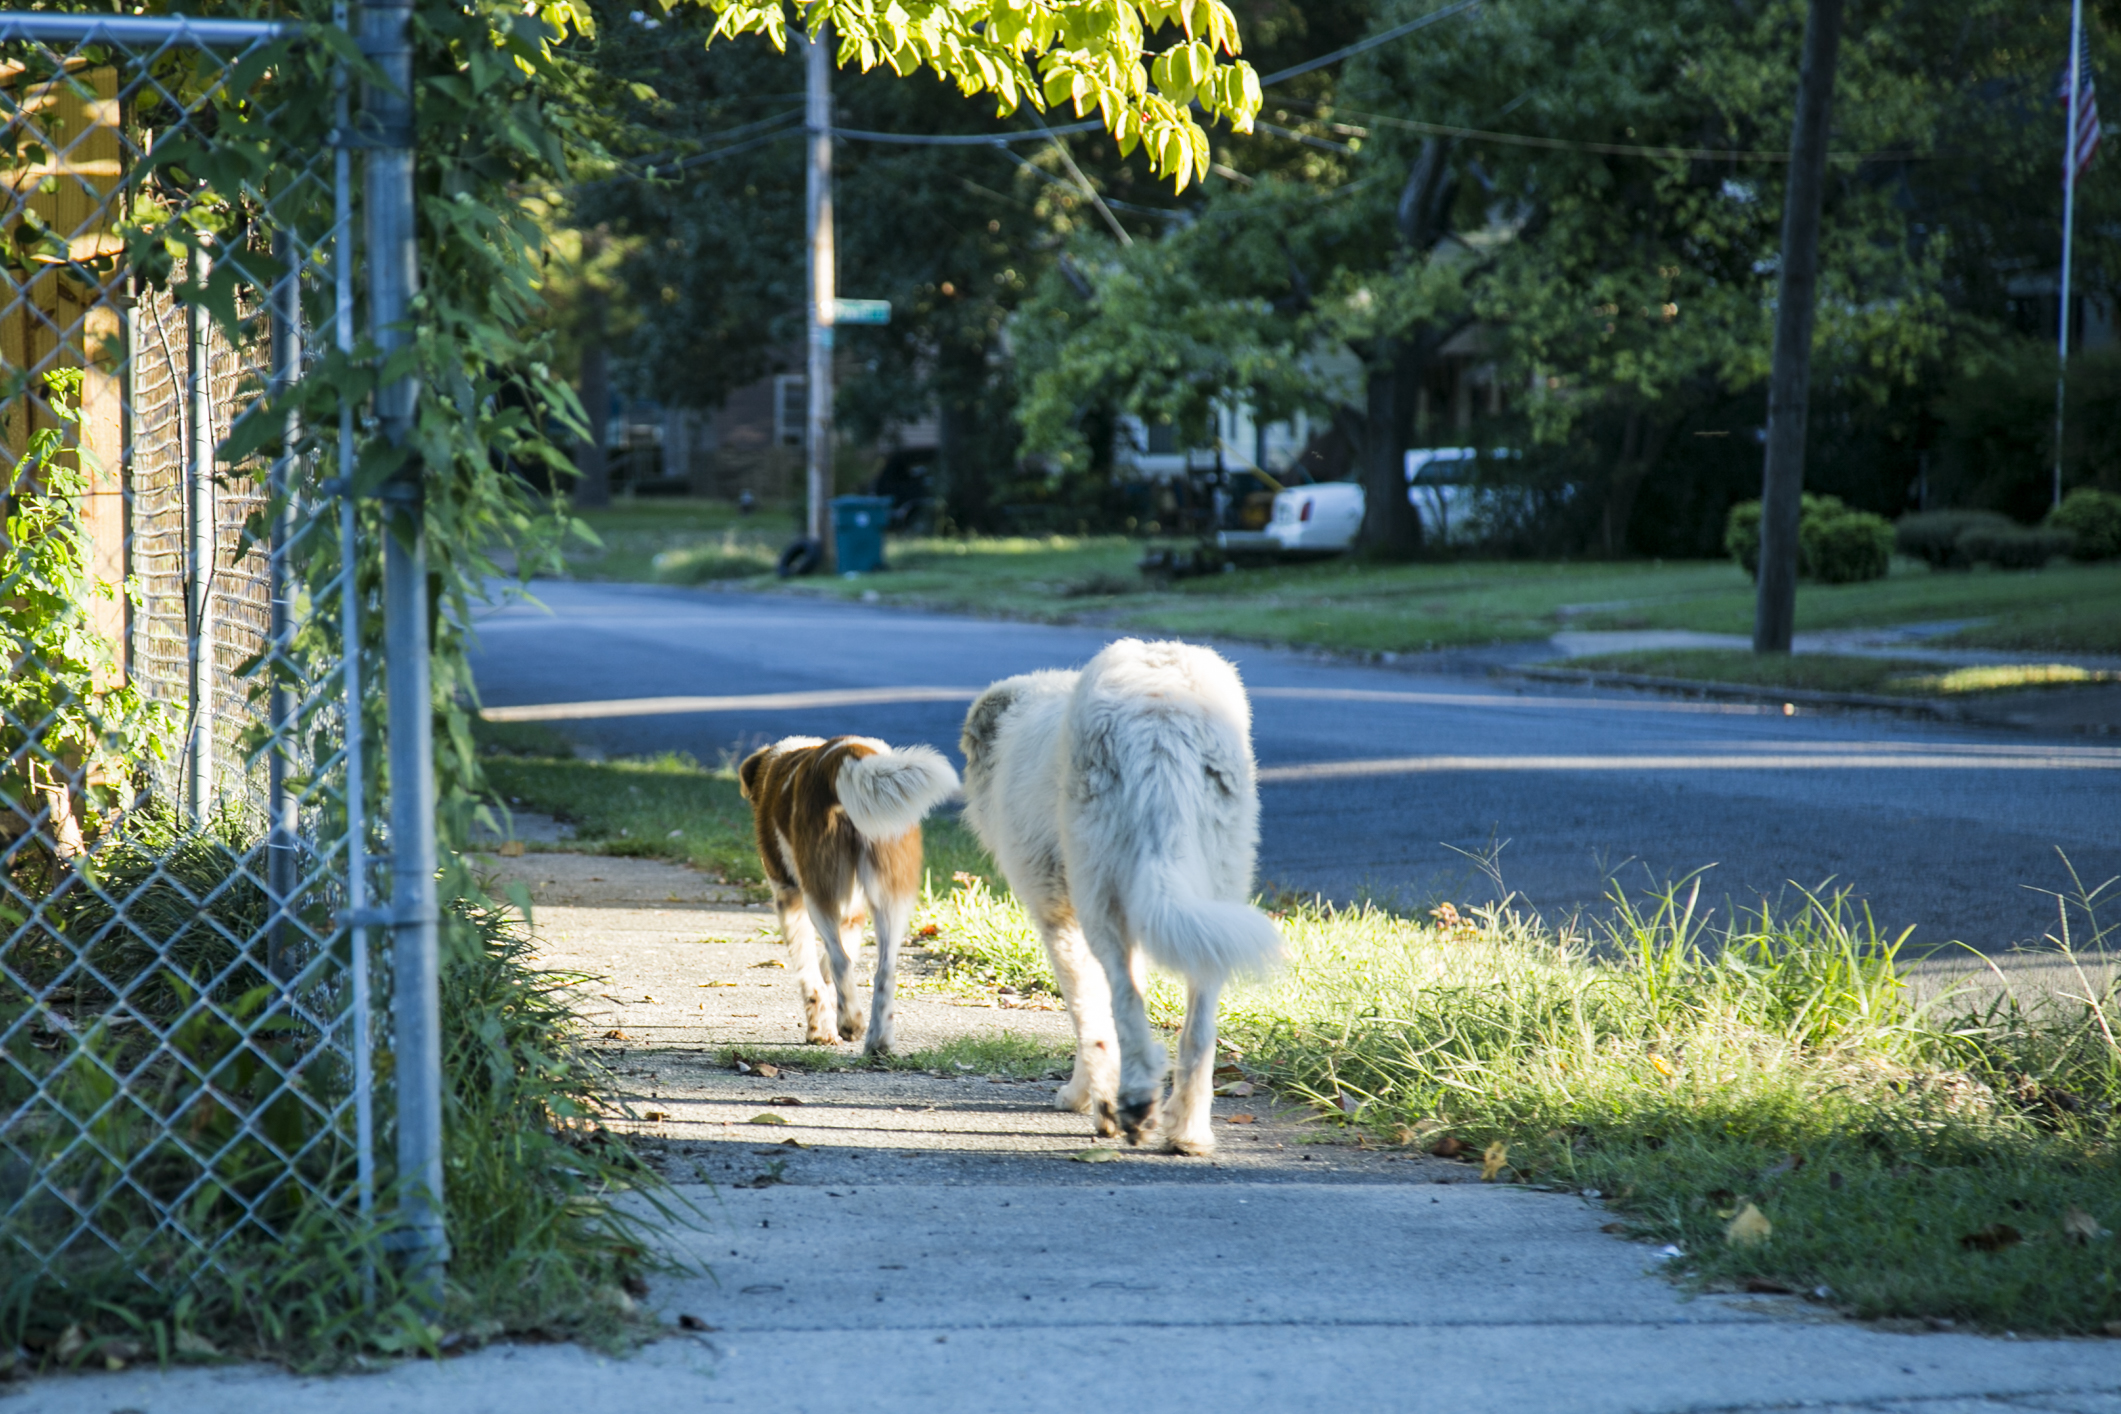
[1200,938]
[889,792]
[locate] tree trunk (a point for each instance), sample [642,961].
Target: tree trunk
[1640,449]
[1390,526]
[594,486]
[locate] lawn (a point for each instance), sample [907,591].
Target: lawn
[1348,605]
[1836,672]
[1758,1091]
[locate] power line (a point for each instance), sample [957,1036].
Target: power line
[965,139]
[1386,37]
[1615,149]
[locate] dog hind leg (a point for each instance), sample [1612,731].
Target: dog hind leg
[826,917]
[1188,1122]
[1133,1109]
[818,996]
[891,910]
[1088,996]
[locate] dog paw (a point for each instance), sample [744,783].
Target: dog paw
[1074,1097]
[1198,1146]
[1107,1120]
[1137,1118]
[823,1038]
[851,1028]
[878,1044]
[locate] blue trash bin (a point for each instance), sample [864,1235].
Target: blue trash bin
[858,532]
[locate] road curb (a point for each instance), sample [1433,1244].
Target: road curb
[1746,692]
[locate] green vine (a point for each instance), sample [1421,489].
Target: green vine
[70,740]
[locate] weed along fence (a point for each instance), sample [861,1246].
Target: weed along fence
[217,924]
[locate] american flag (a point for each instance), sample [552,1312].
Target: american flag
[2084,129]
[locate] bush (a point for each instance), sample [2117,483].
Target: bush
[2012,547]
[1847,554]
[1933,536]
[2092,519]
[1848,548]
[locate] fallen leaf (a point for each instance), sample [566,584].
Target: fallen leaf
[770,962]
[1238,1119]
[1749,1229]
[689,1322]
[926,930]
[195,1345]
[1241,1089]
[511,849]
[1768,1286]
[1094,1156]
[647,999]
[1993,1238]
[71,1343]
[1493,1160]
[766,1119]
[767,1070]
[791,1142]
[1661,1066]
[655,1116]
[2081,1227]
[1449,1147]
[616,1035]
[717,984]
[784,1100]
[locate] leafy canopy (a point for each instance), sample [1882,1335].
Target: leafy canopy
[1085,52]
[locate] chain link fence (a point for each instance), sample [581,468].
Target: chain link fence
[188,820]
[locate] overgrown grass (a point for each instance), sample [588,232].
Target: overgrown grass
[539,1244]
[1350,605]
[1687,1066]
[1836,672]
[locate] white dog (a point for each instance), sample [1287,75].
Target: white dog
[1121,806]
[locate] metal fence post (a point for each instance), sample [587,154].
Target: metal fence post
[280,813]
[387,131]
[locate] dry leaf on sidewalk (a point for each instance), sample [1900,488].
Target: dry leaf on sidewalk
[1493,1160]
[1094,1156]
[766,1119]
[1749,1229]
[1238,1119]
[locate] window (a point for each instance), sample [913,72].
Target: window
[791,409]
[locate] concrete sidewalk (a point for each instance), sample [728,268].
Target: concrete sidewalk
[930,1242]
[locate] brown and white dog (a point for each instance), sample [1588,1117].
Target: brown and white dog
[839,822]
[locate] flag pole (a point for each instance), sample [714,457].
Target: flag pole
[2069,222]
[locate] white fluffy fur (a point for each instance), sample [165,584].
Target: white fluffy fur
[889,793]
[1121,805]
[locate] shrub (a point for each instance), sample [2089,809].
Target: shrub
[2012,547]
[1848,548]
[1933,536]
[2092,519]
[1852,552]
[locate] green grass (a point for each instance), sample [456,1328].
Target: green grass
[1349,605]
[1833,672]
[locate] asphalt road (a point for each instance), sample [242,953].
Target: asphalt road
[1380,780]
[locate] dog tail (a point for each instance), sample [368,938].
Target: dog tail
[1200,938]
[887,793]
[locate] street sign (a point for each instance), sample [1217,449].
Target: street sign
[861,311]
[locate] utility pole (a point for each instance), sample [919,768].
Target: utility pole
[2072,138]
[1789,385]
[817,208]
